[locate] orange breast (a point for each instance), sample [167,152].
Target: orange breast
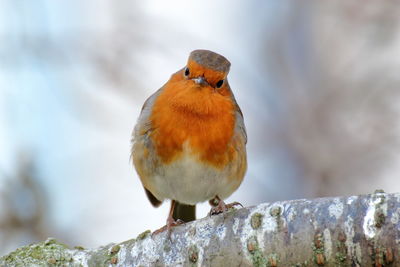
[200,117]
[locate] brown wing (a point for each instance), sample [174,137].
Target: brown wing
[140,134]
[239,119]
[240,123]
[154,201]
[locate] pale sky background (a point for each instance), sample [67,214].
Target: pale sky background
[76,125]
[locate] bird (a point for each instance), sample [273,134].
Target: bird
[189,142]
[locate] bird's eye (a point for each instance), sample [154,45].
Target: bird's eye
[187,72]
[219,83]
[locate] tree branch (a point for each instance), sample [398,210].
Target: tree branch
[343,231]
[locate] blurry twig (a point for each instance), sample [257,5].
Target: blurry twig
[24,207]
[338,91]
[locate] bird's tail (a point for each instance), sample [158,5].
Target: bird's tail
[186,213]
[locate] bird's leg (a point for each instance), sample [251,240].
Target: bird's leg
[220,206]
[170,221]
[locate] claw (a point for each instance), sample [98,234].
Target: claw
[221,206]
[168,227]
[170,223]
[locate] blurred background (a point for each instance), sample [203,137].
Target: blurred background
[318,83]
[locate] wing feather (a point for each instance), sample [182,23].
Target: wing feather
[140,139]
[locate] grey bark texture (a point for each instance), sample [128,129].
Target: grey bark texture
[343,231]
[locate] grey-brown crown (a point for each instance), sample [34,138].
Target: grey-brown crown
[210,60]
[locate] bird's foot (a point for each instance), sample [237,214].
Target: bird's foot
[170,223]
[222,206]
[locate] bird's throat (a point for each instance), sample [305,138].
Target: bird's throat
[200,118]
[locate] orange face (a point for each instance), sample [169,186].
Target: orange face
[214,80]
[195,108]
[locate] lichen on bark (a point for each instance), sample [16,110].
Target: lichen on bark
[343,231]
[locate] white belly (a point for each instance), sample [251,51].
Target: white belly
[189,181]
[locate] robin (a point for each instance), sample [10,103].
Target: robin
[189,143]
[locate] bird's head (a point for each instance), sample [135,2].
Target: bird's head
[207,69]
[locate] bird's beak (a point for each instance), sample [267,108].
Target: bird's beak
[200,80]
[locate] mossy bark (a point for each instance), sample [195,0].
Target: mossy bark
[344,231]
